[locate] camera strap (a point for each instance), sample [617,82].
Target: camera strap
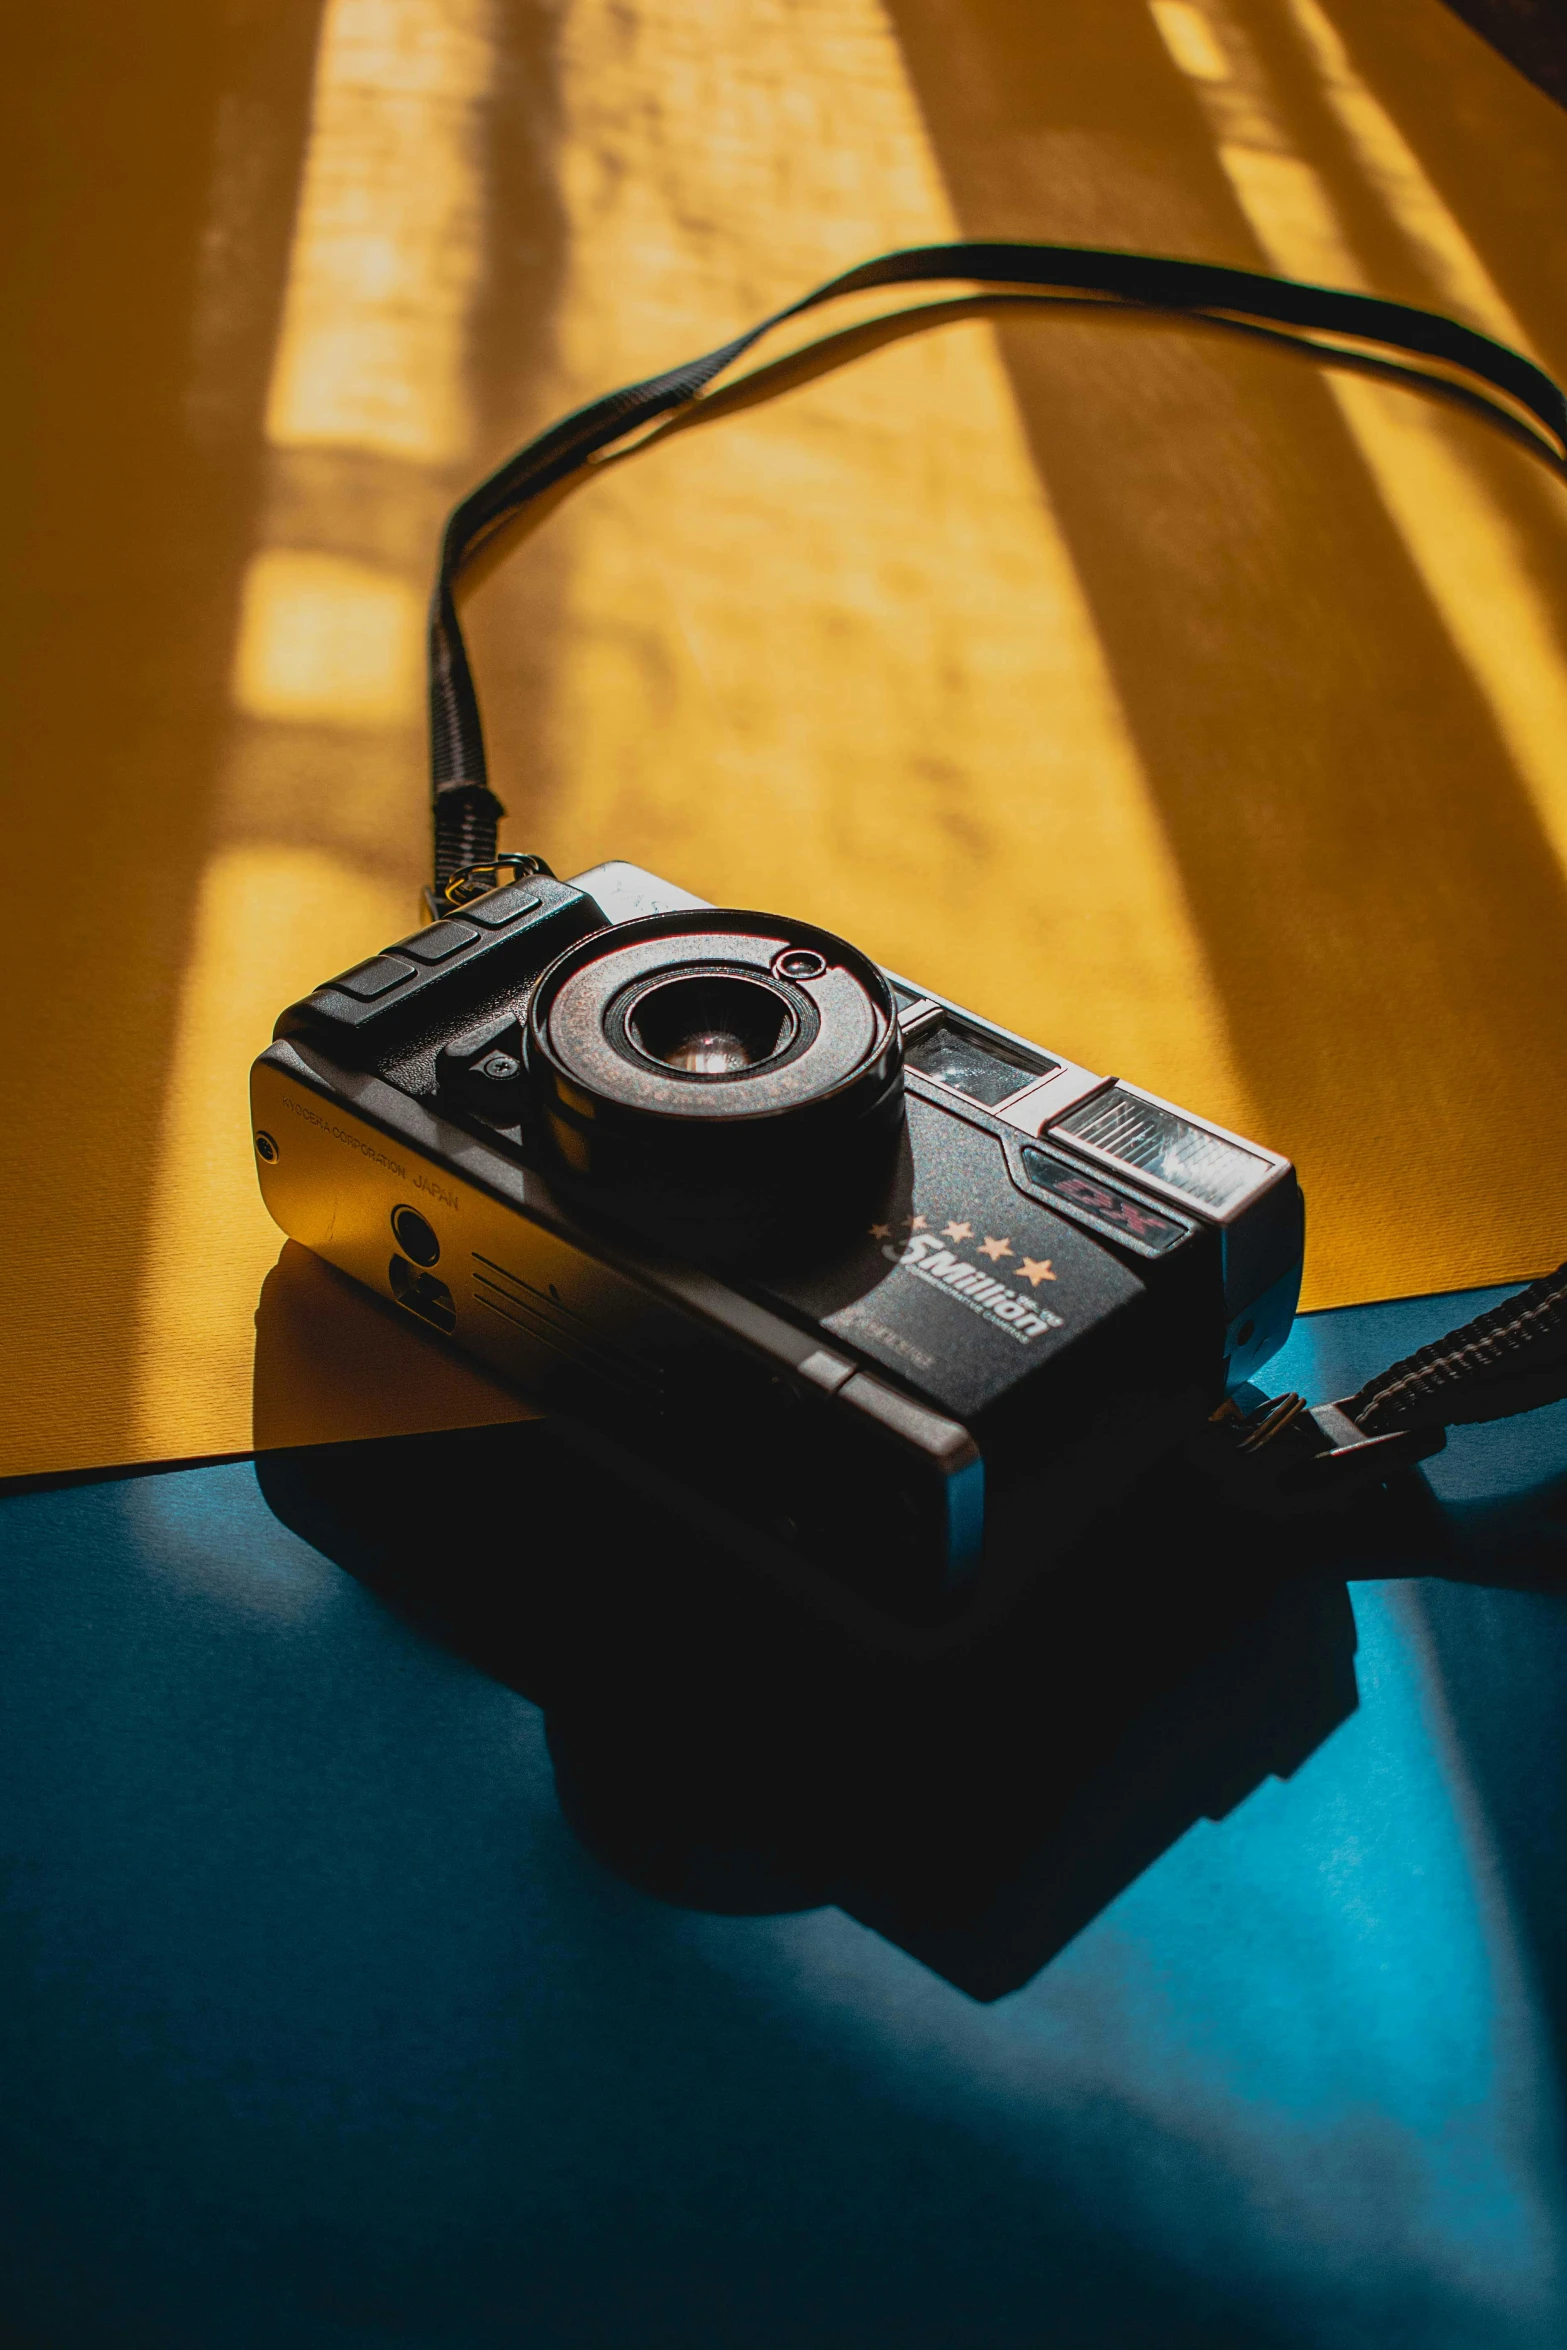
[1366,332]
[1283,1455]
[1506,1361]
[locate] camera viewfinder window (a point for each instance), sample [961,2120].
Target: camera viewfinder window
[986,1072]
[1155,1141]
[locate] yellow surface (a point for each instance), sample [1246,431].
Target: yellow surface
[334,1363]
[1196,713]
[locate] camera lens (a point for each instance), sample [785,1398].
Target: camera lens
[711,1026]
[711,1052]
[723,1083]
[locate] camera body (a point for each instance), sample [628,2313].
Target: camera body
[890,1292]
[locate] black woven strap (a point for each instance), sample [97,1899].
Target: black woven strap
[1510,388]
[1505,1361]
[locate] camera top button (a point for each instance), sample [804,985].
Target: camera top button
[503,906]
[375,978]
[439,941]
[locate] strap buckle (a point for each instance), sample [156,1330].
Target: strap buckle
[1282,1457]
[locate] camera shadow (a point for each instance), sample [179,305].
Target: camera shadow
[721,1742]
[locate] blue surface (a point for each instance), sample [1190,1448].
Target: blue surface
[318,2027]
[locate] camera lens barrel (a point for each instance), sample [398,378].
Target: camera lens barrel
[722,1083]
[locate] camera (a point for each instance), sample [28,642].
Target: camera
[899,1298]
[827,1261]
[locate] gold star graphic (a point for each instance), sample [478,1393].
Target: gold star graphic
[1034,1270]
[957,1231]
[916,1223]
[995,1249]
[881,1232]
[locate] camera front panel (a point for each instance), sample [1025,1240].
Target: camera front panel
[792,1442]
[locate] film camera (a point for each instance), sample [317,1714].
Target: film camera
[838,1265]
[896,1292]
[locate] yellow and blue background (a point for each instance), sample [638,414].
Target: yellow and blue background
[1191,710]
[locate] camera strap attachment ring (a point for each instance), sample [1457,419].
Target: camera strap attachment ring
[1285,1458]
[478,878]
[1276,1454]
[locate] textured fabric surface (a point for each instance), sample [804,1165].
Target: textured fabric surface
[317,2025]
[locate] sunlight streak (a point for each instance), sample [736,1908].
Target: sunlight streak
[1462,544]
[1189,38]
[388,249]
[319,821]
[271,921]
[325,639]
[1396,172]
